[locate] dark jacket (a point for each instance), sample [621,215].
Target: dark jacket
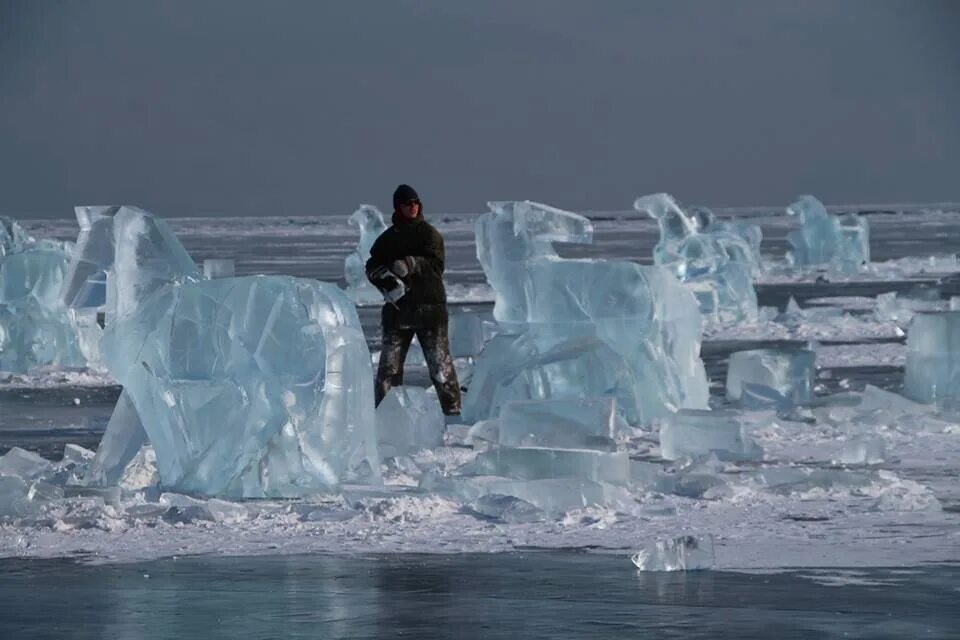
[425,303]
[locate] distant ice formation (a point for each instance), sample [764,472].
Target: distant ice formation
[933,357]
[839,243]
[716,261]
[36,330]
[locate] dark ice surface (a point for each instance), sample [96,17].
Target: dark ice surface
[516,595]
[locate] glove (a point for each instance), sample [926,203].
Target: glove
[403,267]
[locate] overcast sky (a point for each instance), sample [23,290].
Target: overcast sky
[288,108]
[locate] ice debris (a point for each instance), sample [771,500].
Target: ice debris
[716,261]
[575,328]
[369,220]
[863,449]
[683,553]
[838,243]
[35,328]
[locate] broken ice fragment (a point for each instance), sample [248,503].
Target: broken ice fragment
[534,463]
[408,419]
[696,433]
[467,333]
[141,472]
[370,223]
[122,439]
[683,553]
[23,464]
[933,357]
[788,372]
[507,509]
[568,423]
[863,449]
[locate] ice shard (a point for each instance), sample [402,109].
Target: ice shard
[122,439]
[408,419]
[683,553]
[715,261]
[933,357]
[842,244]
[35,328]
[574,328]
[787,372]
[697,433]
[369,220]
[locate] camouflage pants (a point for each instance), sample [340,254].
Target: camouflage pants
[435,343]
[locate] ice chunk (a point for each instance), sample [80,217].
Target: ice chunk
[552,495]
[901,309]
[248,387]
[483,434]
[23,464]
[715,261]
[507,509]
[408,419]
[568,423]
[75,454]
[14,500]
[85,285]
[122,439]
[13,239]
[535,463]
[933,357]
[789,372]
[223,511]
[696,433]
[218,268]
[141,472]
[683,553]
[369,221]
[842,244]
[863,449]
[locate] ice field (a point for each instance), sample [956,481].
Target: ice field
[845,472]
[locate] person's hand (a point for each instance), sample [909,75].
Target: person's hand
[402,267]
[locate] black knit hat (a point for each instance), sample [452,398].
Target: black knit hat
[404,193]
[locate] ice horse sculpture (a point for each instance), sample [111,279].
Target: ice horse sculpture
[841,244]
[35,328]
[370,222]
[246,387]
[716,261]
[580,328]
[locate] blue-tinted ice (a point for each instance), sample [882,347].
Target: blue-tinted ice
[839,243]
[771,378]
[716,261]
[369,220]
[933,357]
[408,419]
[695,433]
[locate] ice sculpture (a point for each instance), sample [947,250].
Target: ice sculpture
[769,377]
[842,244]
[369,221]
[35,328]
[714,260]
[684,553]
[575,328]
[408,419]
[933,357]
[699,433]
[246,387]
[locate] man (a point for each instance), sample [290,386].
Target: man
[412,250]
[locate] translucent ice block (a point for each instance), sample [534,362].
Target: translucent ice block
[122,439]
[933,357]
[823,239]
[468,333]
[683,553]
[408,419]
[23,464]
[696,433]
[789,372]
[569,423]
[535,463]
[369,220]
[218,268]
[863,449]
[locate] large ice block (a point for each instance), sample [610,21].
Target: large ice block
[696,433]
[408,419]
[122,439]
[788,372]
[825,240]
[23,464]
[468,333]
[567,423]
[247,387]
[35,328]
[552,495]
[683,553]
[714,260]
[933,357]
[369,220]
[86,282]
[536,463]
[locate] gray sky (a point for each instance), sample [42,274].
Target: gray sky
[289,108]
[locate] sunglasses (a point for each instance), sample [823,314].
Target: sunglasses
[410,203]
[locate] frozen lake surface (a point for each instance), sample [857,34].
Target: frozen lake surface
[864,551]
